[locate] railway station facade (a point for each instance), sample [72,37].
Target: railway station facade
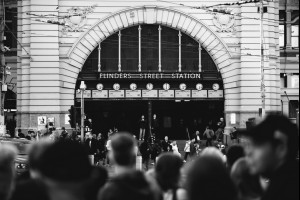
[182,62]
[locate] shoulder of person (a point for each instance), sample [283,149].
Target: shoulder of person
[150,177]
[181,194]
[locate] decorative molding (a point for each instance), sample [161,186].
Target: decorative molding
[224,22]
[76,19]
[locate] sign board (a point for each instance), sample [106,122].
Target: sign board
[133,93]
[199,93]
[86,94]
[67,118]
[182,93]
[101,94]
[233,118]
[2,130]
[116,94]
[144,76]
[150,93]
[215,94]
[166,93]
[42,120]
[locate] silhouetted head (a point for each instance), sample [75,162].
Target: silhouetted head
[208,179]
[168,171]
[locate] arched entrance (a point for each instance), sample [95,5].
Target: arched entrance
[151,50]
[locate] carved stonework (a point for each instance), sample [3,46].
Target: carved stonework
[224,22]
[76,19]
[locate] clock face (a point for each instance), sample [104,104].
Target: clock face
[182,86]
[100,86]
[116,86]
[166,86]
[133,86]
[199,86]
[215,86]
[149,86]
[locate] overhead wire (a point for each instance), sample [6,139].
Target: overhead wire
[212,11]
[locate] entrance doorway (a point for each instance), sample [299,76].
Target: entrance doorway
[177,119]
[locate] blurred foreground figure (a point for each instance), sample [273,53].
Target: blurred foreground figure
[208,179]
[28,186]
[168,173]
[272,151]
[248,185]
[127,183]
[8,154]
[65,170]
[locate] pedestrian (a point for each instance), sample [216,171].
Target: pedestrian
[7,170]
[197,137]
[248,185]
[123,156]
[145,151]
[66,172]
[208,134]
[187,150]
[193,150]
[20,134]
[220,131]
[91,145]
[168,173]
[154,126]
[108,149]
[208,179]
[142,127]
[101,150]
[233,135]
[155,150]
[31,187]
[175,148]
[63,134]
[166,144]
[130,185]
[271,153]
[234,153]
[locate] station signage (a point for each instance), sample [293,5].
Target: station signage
[183,94]
[199,93]
[116,94]
[150,93]
[215,94]
[101,94]
[145,76]
[133,93]
[166,94]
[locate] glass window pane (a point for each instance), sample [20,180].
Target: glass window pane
[281,35]
[295,81]
[293,106]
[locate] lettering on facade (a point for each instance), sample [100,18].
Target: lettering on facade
[150,76]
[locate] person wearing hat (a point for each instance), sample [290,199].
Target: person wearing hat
[271,153]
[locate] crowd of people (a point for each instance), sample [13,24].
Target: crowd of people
[266,168]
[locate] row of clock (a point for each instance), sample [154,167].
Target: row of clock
[166,86]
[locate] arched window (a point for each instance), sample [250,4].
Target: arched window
[109,53]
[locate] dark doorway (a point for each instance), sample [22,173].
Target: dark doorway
[178,120]
[123,115]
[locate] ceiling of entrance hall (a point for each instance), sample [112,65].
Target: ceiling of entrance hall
[149,51]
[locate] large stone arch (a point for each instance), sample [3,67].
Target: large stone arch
[175,19]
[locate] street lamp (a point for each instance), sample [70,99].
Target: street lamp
[82,88]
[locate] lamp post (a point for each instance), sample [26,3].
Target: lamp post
[82,89]
[262,86]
